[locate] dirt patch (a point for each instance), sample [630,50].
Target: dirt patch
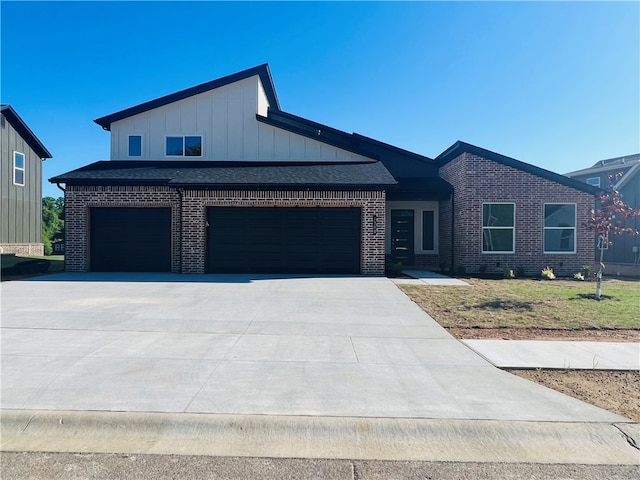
[617,392]
[516,333]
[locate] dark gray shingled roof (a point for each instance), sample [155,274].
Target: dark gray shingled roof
[222,174]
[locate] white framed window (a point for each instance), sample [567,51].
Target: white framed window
[18,169]
[183,146]
[559,228]
[135,145]
[595,181]
[498,227]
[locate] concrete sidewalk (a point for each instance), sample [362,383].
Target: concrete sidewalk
[337,366]
[563,355]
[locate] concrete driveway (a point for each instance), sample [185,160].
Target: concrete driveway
[240,344]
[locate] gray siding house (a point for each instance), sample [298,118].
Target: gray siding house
[625,248]
[20,185]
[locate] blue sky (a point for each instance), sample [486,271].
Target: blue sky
[549,83]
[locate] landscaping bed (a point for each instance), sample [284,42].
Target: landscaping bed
[527,309]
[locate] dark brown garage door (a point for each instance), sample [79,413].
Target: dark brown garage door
[130,239]
[283,240]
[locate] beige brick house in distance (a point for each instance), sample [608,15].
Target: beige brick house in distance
[217,178]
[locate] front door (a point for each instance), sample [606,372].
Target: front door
[402,237]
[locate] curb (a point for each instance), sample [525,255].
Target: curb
[320,437]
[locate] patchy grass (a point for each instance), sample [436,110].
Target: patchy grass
[526,303]
[15,267]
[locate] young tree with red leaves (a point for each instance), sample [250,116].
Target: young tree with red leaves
[609,219]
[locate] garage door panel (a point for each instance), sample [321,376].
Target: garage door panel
[284,240]
[130,239]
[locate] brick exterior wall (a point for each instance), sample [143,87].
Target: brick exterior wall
[27,249]
[188,213]
[477,180]
[79,199]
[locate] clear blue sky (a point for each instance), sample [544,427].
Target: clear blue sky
[549,83]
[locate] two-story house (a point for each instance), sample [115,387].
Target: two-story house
[21,157]
[625,173]
[218,178]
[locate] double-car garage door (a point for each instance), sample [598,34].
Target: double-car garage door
[239,239]
[283,240]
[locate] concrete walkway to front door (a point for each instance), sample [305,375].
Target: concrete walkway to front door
[251,345]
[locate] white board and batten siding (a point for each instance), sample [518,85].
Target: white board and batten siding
[226,119]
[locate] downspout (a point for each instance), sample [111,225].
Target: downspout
[63,189]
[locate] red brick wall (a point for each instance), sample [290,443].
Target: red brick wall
[189,217]
[477,180]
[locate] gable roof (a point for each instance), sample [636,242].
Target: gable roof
[459,148]
[25,132]
[261,70]
[609,164]
[217,174]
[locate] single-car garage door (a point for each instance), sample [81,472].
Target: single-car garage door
[130,239]
[284,240]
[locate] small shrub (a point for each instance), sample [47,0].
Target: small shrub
[508,273]
[547,274]
[578,276]
[586,271]
[393,269]
[521,272]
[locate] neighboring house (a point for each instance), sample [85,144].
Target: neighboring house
[625,249]
[20,185]
[217,178]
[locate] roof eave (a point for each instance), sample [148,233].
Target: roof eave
[262,71]
[460,147]
[25,132]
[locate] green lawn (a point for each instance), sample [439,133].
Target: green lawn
[562,304]
[15,267]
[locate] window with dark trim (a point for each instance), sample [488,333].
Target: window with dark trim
[183,146]
[498,227]
[428,230]
[18,169]
[559,228]
[135,145]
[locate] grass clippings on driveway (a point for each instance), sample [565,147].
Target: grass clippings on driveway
[527,303]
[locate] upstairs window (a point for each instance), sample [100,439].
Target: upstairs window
[18,169]
[135,145]
[595,181]
[498,227]
[559,228]
[183,146]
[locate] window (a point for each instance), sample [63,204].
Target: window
[559,228]
[428,230]
[18,168]
[187,146]
[498,227]
[135,145]
[595,181]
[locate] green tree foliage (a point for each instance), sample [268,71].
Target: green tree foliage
[52,222]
